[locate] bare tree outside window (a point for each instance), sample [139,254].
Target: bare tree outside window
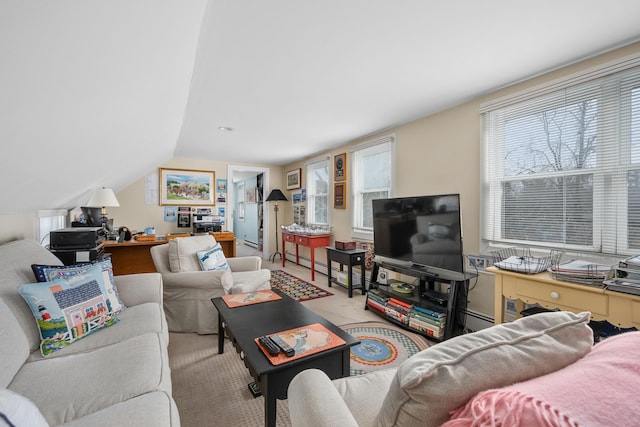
[541,151]
[562,165]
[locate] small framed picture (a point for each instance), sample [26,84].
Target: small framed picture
[340,167]
[294,180]
[250,195]
[339,195]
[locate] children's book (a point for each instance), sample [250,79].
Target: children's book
[305,340]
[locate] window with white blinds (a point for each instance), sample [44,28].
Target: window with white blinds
[372,167]
[561,164]
[318,192]
[48,221]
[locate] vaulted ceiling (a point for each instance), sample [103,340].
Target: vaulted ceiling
[96,93]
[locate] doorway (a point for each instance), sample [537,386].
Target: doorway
[246,215]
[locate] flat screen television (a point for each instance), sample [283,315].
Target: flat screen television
[423,231]
[92,216]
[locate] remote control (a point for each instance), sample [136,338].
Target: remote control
[271,347]
[286,348]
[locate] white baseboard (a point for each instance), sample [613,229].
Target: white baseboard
[475,321]
[321,267]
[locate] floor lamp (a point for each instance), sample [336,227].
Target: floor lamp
[276,196]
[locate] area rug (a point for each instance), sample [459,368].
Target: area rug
[382,345]
[296,288]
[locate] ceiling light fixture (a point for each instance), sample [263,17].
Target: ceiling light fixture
[224,129]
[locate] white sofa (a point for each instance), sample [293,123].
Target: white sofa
[541,370]
[117,376]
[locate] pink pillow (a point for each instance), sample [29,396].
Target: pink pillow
[602,388]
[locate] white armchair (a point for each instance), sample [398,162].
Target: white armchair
[188,289]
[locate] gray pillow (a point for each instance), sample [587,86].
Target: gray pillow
[432,383]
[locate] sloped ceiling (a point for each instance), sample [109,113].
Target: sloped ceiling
[93,94]
[98,93]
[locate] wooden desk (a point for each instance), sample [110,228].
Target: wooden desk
[131,257]
[135,257]
[311,241]
[619,309]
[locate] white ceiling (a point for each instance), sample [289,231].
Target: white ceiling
[96,93]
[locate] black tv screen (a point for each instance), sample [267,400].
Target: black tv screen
[425,231]
[92,216]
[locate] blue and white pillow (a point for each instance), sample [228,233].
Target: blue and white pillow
[213,259]
[47,273]
[69,308]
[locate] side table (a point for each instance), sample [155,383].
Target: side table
[350,258]
[312,241]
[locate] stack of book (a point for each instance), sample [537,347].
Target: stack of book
[376,301]
[428,321]
[398,310]
[423,320]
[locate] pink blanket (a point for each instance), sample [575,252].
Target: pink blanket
[601,389]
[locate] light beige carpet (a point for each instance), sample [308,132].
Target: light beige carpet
[210,389]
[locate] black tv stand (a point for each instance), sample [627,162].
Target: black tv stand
[445,304]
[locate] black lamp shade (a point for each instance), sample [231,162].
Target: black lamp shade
[275,196]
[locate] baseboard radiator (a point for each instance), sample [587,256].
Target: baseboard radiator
[475,321]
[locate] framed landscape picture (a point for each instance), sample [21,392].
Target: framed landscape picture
[294,180]
[187,187]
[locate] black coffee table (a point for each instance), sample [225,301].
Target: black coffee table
[244,324]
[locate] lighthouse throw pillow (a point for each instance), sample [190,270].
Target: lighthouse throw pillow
[47,273]
[71,308]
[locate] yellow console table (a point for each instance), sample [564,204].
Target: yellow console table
[619,309]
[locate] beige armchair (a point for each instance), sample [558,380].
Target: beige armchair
[188,289]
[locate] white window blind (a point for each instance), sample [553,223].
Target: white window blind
[562,165]
[318,192]
[372,165]
[48,221]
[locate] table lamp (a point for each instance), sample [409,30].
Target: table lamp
[103,198]
[276,196]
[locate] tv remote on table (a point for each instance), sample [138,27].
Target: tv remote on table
[271,347]
[286,348]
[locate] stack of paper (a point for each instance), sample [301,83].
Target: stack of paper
[580,271]
[523,264]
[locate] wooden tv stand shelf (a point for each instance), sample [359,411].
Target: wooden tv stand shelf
[619,309]
[425,296]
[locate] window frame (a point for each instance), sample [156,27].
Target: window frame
[310,168]
[384,143]
[617,80]
[49,220]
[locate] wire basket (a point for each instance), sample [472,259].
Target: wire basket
[520,260]
[582,272]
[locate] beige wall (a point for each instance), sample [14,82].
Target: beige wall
[19,226]
[441,154]
[436,154]
[136,214]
